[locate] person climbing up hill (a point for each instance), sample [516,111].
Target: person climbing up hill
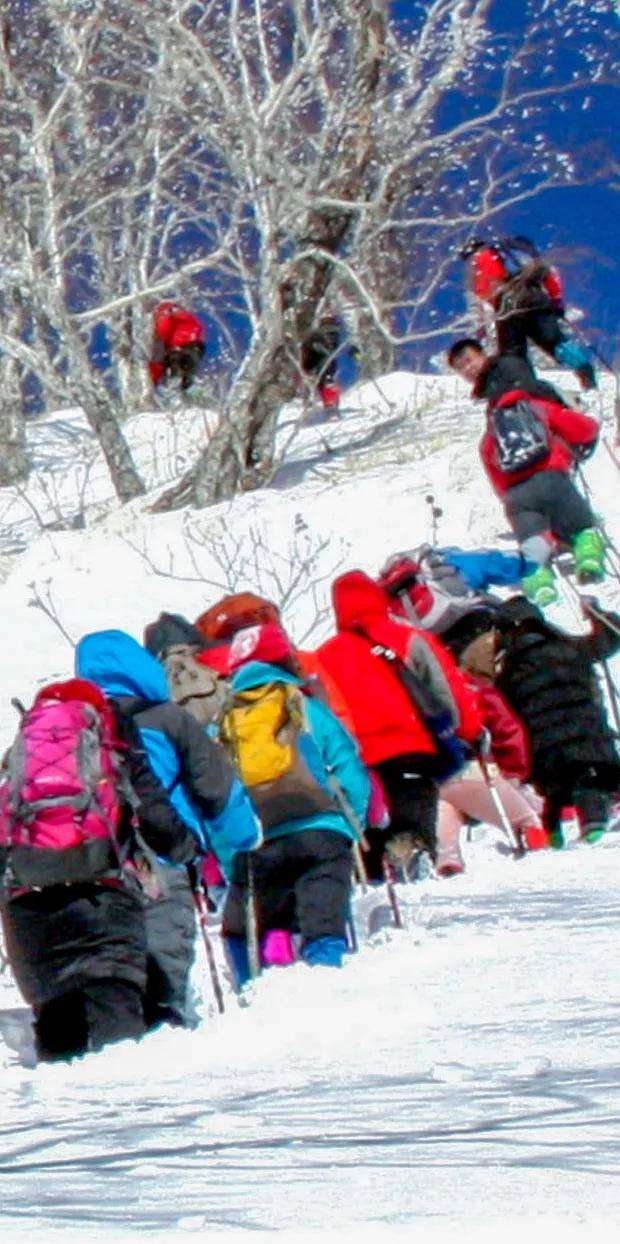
[80,809]
[410,707]
[204,791]
[527,298]
[549,679]
[529,449]
[319,359]
[178,344]
[223,620]
[301,768]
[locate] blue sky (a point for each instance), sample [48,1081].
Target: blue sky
[581,223]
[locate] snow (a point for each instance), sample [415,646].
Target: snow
[457,1079]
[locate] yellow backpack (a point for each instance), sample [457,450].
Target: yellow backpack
[266,734]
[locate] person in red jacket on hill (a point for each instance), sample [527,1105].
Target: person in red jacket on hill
[529,449]
[527,298]
[409,704]
[178,344]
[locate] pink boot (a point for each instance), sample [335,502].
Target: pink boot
[277,949]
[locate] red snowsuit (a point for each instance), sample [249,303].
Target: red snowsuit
[385,721]
[565,427]
[174,329]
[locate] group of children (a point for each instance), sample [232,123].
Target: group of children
[217,750]
[217,745]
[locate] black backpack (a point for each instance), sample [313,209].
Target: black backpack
[521,436]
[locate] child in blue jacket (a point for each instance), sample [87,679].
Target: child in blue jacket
[301,875]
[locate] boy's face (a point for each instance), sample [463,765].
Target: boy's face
[469,363]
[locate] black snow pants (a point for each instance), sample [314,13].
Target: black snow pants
[78,954]
[170,940]
[412,798]
[528,314]
[184,361]
[302,882]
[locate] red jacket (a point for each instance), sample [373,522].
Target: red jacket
[385,721]
[175,327]
[565,427]
[510,746]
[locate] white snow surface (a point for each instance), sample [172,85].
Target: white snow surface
[458,1079]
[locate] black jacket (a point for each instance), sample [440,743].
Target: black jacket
[200,769]
[548,677]
[506,372]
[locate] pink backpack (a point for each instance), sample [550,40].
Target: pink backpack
[61,800]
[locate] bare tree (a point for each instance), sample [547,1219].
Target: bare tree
[269,161]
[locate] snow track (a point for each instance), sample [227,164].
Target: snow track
[465,1069]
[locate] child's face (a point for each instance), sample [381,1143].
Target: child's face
[470,363]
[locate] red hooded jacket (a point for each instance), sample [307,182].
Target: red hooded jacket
[385,721]
[565,428]
[173,328]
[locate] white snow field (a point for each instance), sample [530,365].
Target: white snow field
[458,1079]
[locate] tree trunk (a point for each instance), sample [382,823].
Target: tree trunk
[103,421]
[13,457]
[241,453]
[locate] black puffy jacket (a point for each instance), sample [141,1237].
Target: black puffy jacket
[549,678]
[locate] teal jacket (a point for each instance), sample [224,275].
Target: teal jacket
[332,756]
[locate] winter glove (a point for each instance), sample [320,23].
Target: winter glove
[452,751]
[581,453]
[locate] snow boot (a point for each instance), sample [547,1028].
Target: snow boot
[586,376]
[237,958]
[534,837]
[593,831]
[568,829]
[325,951]
[540,587]
[276,949]
[589,552]
[330,396]
[449,867]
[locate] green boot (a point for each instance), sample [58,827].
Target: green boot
[589,551]
[593,832]
[540,587]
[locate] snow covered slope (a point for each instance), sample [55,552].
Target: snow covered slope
[460,1074]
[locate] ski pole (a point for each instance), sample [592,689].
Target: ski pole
[612,692]
[200,904]
[351,929]
[611,452]
[505,822]
[351,816]
[251,925]
[388,873]
[436,514]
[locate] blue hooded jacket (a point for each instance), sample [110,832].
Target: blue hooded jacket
[201,783]
[332,753]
